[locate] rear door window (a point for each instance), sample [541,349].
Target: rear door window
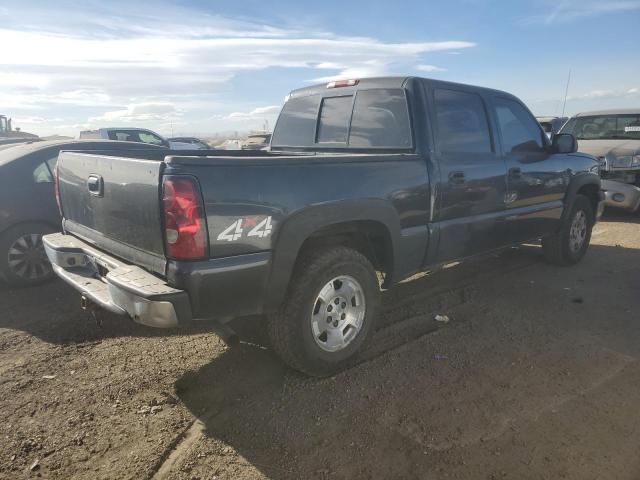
[461,122]
[380,119]
[333,123]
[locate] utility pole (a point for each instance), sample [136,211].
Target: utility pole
[566,92]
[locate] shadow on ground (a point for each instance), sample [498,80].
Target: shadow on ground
[52,313]
[411,411]
[621,216]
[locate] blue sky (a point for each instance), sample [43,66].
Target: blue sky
[200,67]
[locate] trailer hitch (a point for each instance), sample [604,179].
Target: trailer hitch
[92,309]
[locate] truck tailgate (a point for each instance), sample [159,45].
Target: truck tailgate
[114,203]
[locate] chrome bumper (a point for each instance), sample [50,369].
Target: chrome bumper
[115,286]
[621,195]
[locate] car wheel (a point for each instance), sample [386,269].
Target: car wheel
[570,243]
[23,261]
[329,312]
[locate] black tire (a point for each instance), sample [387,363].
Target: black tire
[558,248]
[290,328]
[35,272]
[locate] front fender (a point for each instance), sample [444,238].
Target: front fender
[576,183]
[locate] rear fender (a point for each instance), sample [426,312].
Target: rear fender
[303,224]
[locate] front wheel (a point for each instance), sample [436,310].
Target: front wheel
[570,243]
[329,312]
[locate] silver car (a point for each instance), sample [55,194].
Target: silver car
[613,136]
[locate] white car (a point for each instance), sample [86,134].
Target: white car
[141,135]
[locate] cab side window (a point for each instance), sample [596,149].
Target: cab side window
[519,129]
[461,122]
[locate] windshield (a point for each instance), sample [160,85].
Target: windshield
[547,127]
[604,127]
[136,136]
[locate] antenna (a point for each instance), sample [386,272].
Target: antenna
[566,91]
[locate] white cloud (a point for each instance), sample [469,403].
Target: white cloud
[256,113]
[82,63]
[567,10]
[604,93]
[430,68]
[141,112]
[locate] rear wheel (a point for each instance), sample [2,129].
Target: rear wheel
[329,312]
[570,243]
[23,261]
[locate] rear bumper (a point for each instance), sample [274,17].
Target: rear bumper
[621,195]
[115,286]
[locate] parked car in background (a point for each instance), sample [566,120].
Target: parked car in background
[613,136]
[141,135]
[28,205]
[257,141]
[390,175]
[551,125]
[230,144]
[195,142]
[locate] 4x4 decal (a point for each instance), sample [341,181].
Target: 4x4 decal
[236,230]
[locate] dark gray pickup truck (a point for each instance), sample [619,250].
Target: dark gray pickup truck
[365,180]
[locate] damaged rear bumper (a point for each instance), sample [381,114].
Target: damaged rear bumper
[115,286]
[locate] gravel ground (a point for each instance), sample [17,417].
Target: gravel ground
[535,376]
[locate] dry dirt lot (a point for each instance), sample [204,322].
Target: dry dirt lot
[535,376]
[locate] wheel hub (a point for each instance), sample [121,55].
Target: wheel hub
[338,313]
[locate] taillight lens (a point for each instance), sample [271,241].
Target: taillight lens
[56,189]
[184,222]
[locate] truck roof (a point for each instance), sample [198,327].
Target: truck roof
[391,82]
[614,111]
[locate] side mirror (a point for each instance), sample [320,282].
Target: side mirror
[564,143]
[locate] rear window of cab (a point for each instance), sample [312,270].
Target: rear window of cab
[374,118]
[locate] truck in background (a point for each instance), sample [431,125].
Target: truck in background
[612,136]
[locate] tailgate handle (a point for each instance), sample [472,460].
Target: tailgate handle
[95,184]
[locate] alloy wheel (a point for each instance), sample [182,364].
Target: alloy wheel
[338,313]
[27,258]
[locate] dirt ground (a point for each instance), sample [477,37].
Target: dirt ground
[535,376]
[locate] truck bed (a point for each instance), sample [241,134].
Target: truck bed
[125,217]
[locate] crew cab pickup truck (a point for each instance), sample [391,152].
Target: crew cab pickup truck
[366,182]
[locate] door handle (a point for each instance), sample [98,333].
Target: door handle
[456,178]
[515,172]
[95,185]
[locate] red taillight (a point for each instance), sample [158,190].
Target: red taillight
[185,226]
[343,83]
[56,188]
